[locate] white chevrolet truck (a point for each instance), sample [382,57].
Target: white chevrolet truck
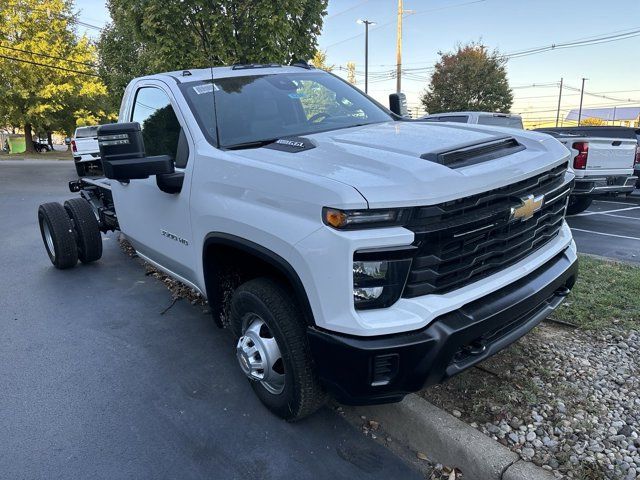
[603,160]
[86,151]
[350,251]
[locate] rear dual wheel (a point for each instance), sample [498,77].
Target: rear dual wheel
[86,228]
[70,233]
[57,234]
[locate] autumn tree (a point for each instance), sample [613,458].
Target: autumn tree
[319,60]
[471,78]
[592,122]
[163,35]
[351,72]
[47,74]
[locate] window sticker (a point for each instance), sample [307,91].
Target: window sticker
[206,88]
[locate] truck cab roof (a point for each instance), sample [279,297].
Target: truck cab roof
[239,70]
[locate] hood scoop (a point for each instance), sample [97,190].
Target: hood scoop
[473,153]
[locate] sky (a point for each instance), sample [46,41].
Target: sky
[431,26]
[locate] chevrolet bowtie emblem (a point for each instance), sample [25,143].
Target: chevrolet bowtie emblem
[530,205]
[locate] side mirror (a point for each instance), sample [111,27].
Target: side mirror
[123,154]
[398,104]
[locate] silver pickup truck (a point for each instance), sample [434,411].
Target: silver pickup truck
[603,159]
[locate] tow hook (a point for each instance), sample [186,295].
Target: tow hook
[476,347]
[563,291]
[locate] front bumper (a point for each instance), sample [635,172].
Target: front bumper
[382,369]
[606,185]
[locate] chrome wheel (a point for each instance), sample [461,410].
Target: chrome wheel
[48,238]
[259,355]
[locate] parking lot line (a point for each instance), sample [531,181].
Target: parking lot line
[621,216]
[585,214]
[613,201]
[606,234]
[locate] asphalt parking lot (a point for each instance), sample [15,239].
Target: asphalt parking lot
[609,228]
[96,383]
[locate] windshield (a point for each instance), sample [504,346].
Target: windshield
[500,121]
[259,108]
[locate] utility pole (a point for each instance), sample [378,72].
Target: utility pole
[399,48]
[559,100]
[581,97]
[366,52]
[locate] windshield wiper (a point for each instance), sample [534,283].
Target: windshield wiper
[253,144]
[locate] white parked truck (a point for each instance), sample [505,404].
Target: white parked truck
[86,152]
[350,251]
[603,160]
[494,119]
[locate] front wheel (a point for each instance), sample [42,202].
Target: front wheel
[272,349]
[578,205]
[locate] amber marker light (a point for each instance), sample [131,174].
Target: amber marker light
[334,218]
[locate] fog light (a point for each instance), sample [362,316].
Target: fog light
[365,294]
[378,283]
[375,270]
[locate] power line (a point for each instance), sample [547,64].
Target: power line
[628,100]
[73,18]
[47,55]
[347,9]
[50,66]
[603,38]
[381,25]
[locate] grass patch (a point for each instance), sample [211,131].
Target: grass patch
[606,294]
[55,155]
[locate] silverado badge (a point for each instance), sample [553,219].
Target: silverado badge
[530,205]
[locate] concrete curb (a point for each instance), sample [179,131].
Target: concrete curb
[445,439]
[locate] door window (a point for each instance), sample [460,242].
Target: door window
[161,130]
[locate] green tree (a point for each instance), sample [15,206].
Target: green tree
[162,35]
[46,73]
[471,78]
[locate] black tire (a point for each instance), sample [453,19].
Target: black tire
[302,394]
[59,240]
[578,205]
[80,169]
[86,228]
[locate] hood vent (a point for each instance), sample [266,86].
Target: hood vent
[472,154]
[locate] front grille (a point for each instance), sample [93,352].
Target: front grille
[464,240]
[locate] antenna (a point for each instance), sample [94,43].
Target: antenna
[213,92]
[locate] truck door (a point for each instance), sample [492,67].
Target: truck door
[157,223]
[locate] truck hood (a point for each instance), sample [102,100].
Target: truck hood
[382,161]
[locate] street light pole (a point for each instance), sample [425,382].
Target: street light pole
[366,52]
[581,97]
[559,100]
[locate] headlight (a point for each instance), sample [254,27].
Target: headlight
[377,282]
[352,219]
